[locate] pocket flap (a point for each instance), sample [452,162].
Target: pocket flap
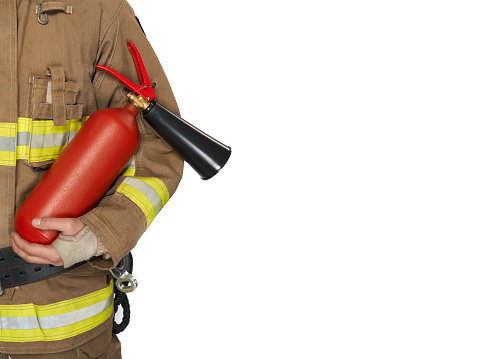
[44,111]
[43,91]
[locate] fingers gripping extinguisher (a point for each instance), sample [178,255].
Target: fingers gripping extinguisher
[91,162]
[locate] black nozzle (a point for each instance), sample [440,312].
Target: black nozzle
[202,152]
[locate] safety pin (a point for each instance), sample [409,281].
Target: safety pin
[39,14]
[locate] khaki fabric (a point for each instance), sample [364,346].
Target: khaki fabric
[48,77]
[105,346]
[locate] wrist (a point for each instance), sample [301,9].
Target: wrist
[73,249]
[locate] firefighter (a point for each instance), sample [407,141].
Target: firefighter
[62,307]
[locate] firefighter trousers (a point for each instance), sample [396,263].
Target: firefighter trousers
[94,349]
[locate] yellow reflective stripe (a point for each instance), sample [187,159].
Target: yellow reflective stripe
[158,186]
[128,172]
[148,193]
[8,129]
[7,158]
[44,127]
[140,200]
[30,322]
[76,124]
[35,141]
[130,168]
[22,152]
[48,335]
[8,135]
[45,154]
[66,306]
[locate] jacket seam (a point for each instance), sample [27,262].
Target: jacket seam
[102,76]
[114,17]
[108,234]
[113,20]
[139,214]
[112,235]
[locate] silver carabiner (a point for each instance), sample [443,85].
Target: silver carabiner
[125,282]
[39,11]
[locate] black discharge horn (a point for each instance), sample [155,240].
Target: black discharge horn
[203,153]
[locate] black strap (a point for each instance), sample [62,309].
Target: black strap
[139,23]
[121,299]
[15,271]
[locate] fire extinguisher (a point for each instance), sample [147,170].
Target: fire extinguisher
[83,172]
[95,157]
[206,155]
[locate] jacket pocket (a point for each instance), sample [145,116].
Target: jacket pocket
[53,118]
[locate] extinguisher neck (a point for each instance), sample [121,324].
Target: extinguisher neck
[132,109]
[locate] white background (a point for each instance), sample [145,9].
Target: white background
[345,223]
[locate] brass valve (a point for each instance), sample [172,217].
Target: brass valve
[138,101]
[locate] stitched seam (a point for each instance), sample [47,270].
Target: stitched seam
[74,238]
[114,16]
[76,342]
[103,231]
[54,5]
[110,59]
[20,265]
[94,324]
[137,210]
[115,205]
[66,303]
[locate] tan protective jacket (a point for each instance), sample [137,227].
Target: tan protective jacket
[50,88]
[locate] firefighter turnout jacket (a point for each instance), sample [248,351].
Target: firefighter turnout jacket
[50,88]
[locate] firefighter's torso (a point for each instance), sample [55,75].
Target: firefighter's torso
[46,73]
[48,92]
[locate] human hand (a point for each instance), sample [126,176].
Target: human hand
[45,253]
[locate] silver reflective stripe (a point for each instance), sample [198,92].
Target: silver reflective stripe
[23,138]
[147,190]
[7,144]
[72,134]
[131,165]
[39,141]
[50,140]
[55,321]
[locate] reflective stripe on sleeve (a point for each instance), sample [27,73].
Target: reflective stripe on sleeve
[130,168]
[62,320]
[148,193]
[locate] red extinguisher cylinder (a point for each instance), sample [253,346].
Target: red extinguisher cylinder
[83,172]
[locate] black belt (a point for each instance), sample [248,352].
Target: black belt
[14,270]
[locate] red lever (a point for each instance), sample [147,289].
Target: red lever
[145,88]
